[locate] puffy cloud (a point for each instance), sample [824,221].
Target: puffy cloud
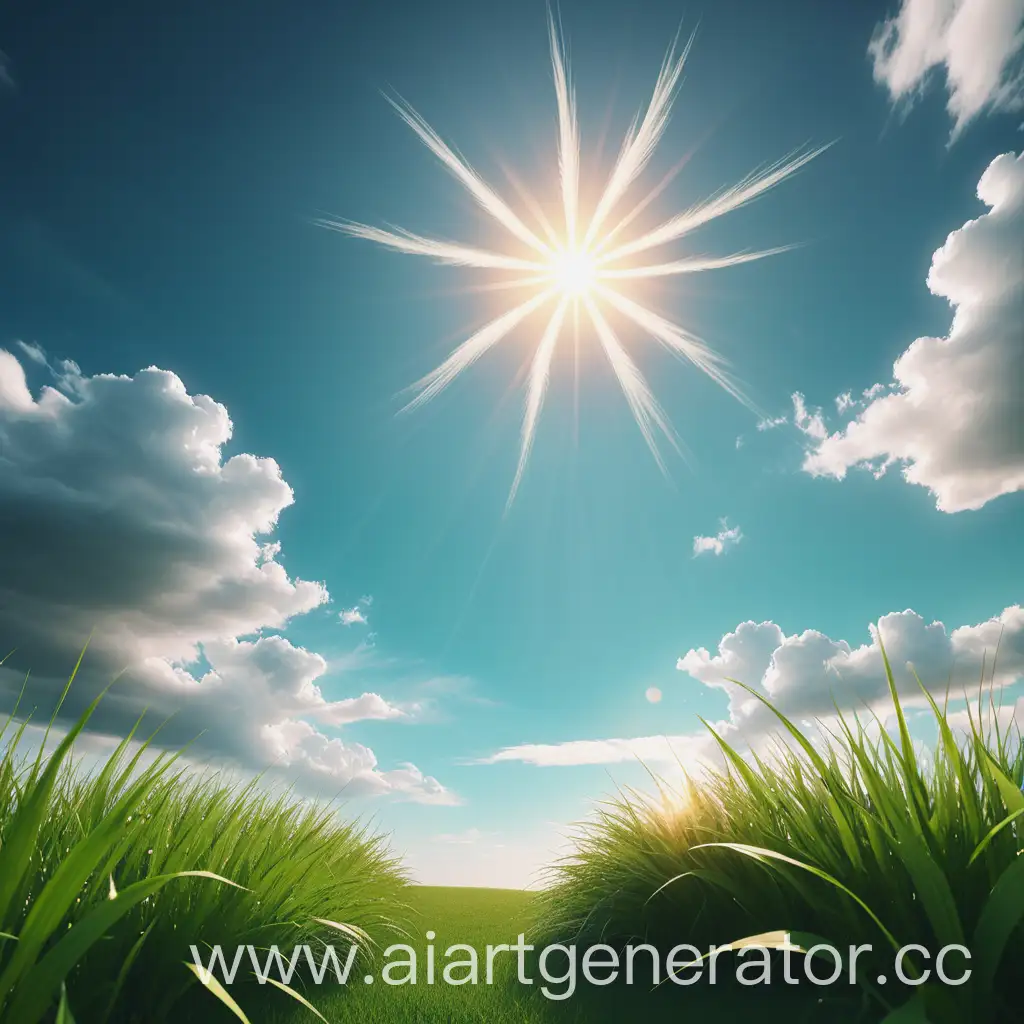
[976,43]
[954,415]
[717,544]
[807,676]
[356,615]
[123,519]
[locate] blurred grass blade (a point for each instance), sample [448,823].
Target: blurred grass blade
[211,984]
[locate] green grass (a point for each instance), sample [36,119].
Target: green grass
[479,917]
[852,841]
[106,880]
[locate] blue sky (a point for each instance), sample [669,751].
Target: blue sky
[159,180]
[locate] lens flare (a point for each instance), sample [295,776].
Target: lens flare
[590,262]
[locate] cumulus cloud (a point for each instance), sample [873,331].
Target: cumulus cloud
[807,676]
[122,518]
[717,544]
[976,44]
[953,417]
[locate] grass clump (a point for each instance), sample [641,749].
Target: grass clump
[108,878]
[849,840]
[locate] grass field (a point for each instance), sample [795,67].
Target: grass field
[482,916]
[107,879]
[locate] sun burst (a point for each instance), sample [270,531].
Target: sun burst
[589,263]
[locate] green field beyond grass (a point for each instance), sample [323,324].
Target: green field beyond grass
[479,917]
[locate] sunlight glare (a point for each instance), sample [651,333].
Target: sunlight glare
[592,273]
[574,272]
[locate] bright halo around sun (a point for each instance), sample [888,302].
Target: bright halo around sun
[587,262]
[574,272]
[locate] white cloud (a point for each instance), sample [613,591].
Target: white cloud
[771,422]
[807,676]
[810,423]
[34,352]
[954,415]
[356,615]
[648,749]
[123,519]
[726,538]
[977,44]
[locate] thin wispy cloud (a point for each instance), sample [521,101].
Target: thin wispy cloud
[976,46]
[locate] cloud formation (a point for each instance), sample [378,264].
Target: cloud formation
[123,519]
[717,544]
[648,749]
[976,44]
[953,417]
[356,615]
[807,676]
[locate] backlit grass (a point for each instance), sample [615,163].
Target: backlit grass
[106,880]
[851,840]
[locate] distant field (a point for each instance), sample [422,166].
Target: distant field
[481,916]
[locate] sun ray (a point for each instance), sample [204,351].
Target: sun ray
[472,349]
[644,406]
[690,265]
[586,265]
[531,204]
[673,172]
[502,286]
[677,341]
[451,253]
[727,201]
[568,135]
[641,143]
[540,373]
[488,199]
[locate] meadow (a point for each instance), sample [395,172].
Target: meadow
[854,837]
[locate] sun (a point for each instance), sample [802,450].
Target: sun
[574,272]
[587,262]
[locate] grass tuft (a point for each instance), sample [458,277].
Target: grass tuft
[850,835]
[108,878]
